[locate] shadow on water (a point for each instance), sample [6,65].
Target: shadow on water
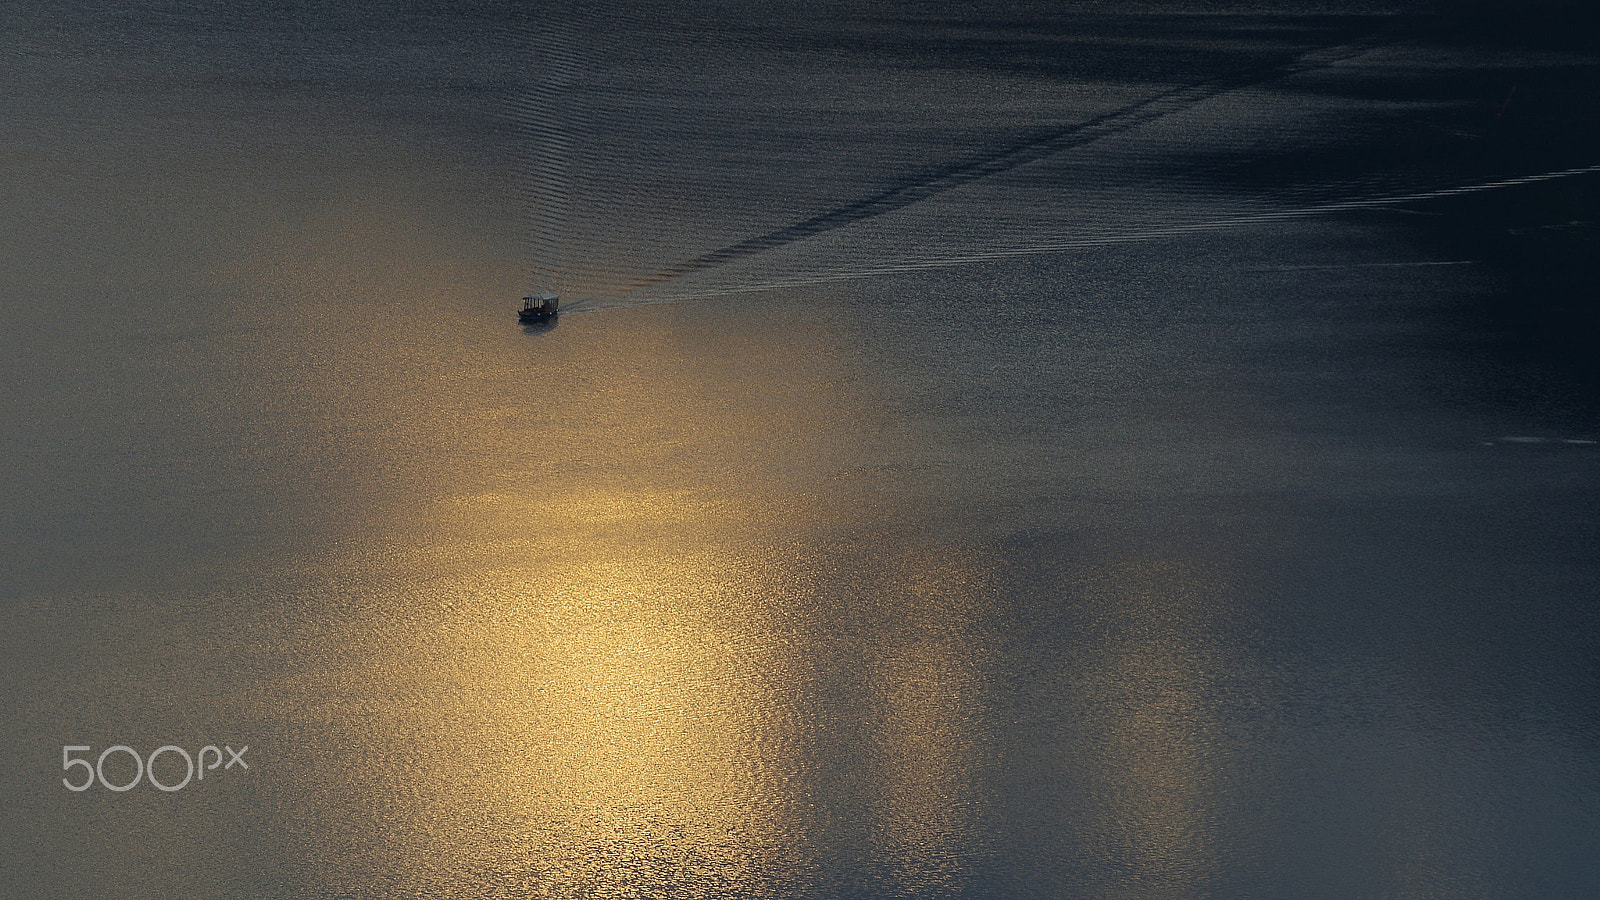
[1001,159]
[543,326]
[1531,338]
[1536,330]
[1538,326]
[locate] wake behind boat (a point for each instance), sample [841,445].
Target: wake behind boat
[538,307]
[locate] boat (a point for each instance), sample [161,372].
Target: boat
[538,307]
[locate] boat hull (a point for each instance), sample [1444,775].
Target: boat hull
[539,308]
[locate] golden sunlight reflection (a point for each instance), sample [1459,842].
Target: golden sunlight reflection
[1150,702]
[927,718]
[625,722]
[646,729]
[620,727]
[580,640]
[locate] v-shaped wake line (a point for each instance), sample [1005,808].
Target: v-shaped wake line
[547,123]
[1177,229]
[1003,159]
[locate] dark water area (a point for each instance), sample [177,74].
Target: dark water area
[987,450]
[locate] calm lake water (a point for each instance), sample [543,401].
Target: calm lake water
[986,451]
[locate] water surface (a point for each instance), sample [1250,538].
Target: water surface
[988,451]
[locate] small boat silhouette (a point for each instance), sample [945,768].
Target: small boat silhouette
[538,307]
